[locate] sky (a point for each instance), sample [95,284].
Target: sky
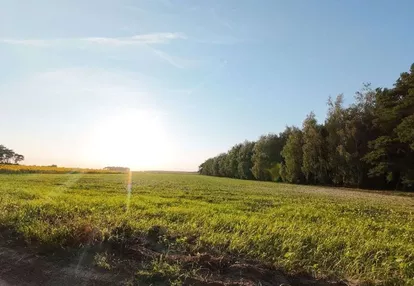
[163,84]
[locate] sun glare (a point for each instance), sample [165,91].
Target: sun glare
[131,138]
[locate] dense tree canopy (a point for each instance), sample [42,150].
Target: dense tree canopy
[8,156]
[266,156]
[369,144]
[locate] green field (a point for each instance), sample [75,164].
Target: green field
[363,237]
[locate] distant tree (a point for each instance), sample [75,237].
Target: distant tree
[8,156]
[111,168]
[207,167]
[18,158]
[220,165]
[2,154]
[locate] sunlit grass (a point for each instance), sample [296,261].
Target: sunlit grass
[325,232]
[24,169]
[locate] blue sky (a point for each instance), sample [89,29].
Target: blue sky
[165,84]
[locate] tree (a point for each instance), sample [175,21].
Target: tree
[349,131]
[338,154]
[18,158]
[245,160]
[266,155]
[219,165]
[369,144]
[391,153]
[206,168]
[7,156]
[315,165]
[232,162]
[292,153]
[359,131]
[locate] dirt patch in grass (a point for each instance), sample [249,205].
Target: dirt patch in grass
[24,266]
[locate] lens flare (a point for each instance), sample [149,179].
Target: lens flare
[129,187]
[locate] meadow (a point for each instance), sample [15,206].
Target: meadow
[25,169]
[326,233]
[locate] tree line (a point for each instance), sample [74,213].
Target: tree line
[8,156]
[117,168]
[368,144]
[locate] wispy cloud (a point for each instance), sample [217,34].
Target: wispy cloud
[168,58]
[142,39]
[156,38]
[37,43]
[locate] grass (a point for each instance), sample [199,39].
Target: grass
[24,169]
[341,234]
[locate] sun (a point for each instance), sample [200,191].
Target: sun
[130,138]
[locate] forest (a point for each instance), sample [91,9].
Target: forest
[368,144]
